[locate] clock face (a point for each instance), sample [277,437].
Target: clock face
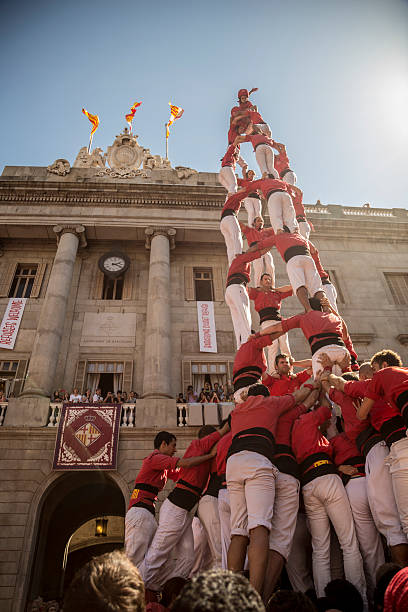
[114,264]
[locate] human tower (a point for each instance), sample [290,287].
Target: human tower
[284,469]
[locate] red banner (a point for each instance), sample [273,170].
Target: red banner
[87,437]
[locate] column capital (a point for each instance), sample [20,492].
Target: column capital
[77,230]
[153,231]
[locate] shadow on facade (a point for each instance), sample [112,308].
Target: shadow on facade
[68,503]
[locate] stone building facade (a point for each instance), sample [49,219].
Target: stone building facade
[139,330]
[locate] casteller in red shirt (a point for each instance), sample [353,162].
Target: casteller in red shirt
[221,458]
[281,161]
[250,362]
[267,302]
[156,469]
[285,384]
[391,384]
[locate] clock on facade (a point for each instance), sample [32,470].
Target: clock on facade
[114,264]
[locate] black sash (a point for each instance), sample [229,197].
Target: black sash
[327,338]
[228,212]
[269,314]
[237,279]
[292,251]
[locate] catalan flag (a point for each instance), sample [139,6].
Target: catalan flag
[94,119]
[130,116]
[175,113]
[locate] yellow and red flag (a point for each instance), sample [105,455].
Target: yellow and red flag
[94,119]
[130,116]
[175,113]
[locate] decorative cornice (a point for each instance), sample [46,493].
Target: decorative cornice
[168,232]
[362,338]
[77,230]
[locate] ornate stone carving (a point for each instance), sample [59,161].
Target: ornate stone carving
[125,152]
[94,160]
[184,173]
[151,232]
[60,167]
[123,173]
[155,161]
[79,230]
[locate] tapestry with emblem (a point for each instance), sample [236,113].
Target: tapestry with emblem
[88,437]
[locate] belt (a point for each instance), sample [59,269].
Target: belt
[326,281]
[253,243]
[253,195]
[402,404]
[228,212]
[292,251]
[274,191]
[285,171]
[261,143]
[301,218]
[326,340]
[146,487]
[317,464]
[269,314]
[237,279]
[393,430]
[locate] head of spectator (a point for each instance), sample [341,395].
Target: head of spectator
[258,389]
[109,397]
[66,396]
[282,364]
[396,595]
[385,359]
[385,573]
[218,591]
[171,590]
[287,601]
[202,397]
[180,399]
[119,396]
[104,584]
[124,396]
[165,443]
[344,596]
[191,395]
[55,396]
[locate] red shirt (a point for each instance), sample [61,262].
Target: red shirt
[381,412]
[388,384]
[234,202]
[297,198]
[352,425]
[343,449]
[156,469]
[266,185]
[286,240]
[267,299]
[241,264]
[244,182]
[258,139]
[250,358]
[306,436]
[315,256]
[243,106]
[281,161]
[260,411]
[230,158]
[315,322]
[285,384]
[253,235]
[222,451]
[285,424]
[255,117]
[198,475]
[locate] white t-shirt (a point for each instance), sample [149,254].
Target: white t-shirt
[75,398]
[96,398]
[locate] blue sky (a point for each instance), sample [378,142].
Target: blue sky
[332,78]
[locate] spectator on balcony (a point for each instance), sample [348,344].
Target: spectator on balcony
[75,396]
[87,397]
[55,398]
[66,396]
[203,397]
[180,399]
[219,391]
[110,398]
[124,397]
[97,397]
[192,396]
[119,397]
[132,398]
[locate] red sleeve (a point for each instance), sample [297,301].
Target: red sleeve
[321,415]
[252,293]
[206,444]
[291,323]
[335,395]
[263,341]
[355,388]
[245,230]
[163,462]
[174,474]
[374,389]
[267,242]
[302,376]
[286,294]
[281,404]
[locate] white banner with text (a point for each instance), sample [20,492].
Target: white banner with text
[11,322]
[206,327]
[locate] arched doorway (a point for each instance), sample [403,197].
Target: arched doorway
[71,501]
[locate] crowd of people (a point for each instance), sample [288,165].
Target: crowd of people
[208,394]
[310,471]
[110,397]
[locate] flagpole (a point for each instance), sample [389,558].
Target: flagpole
[90,144]
[167,141]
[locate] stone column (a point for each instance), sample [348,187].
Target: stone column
[157,404]
[31,408]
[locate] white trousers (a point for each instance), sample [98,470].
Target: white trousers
[302,272]
[253,206]
[208,514]
[251,487]
[281,211]
[299,563]
[290,178]
[264,157]
[227,178]
[224,510]
[202,552]
[285,512]
[304,229]
[280,346]
[381,496]
[231,231]
[368,537]
[336,353]
[261,265]
[397,462]
[326,501]
[171,552]
[236,297]
[140,527]
[331,293]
